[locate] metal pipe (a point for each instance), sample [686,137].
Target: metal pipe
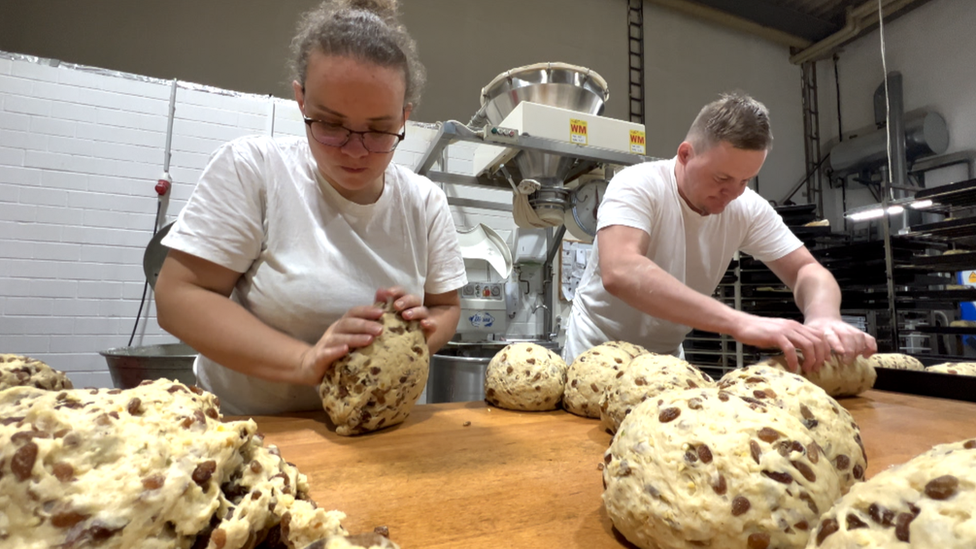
[889,260]
[554,242]
[857,20]
[896,131]
[169,126]
[737,288]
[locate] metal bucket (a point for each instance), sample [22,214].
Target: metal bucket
[457,372]
[130,366]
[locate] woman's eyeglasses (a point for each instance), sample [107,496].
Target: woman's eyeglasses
[335,135]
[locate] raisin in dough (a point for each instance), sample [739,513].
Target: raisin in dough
[704,468]
[828,422]
[928,502]
[896,361]
[23,371]
[954,368]
[376,386]
[150,467]
[835,376]
[525,376]
[647,375]
[588,377]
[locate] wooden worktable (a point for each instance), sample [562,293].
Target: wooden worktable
[519,480]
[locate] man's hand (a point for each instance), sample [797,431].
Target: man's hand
[844,339]
[409,306]
[788,335]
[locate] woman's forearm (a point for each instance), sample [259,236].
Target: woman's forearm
[228,334]
[446,317]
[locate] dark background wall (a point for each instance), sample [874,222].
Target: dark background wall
[243,45]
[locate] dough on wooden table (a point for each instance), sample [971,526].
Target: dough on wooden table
[525,376]
[377,385]
[149,467]
[896,361]
[589,375]
[828,422]
[357,541]
[927,502]
[24,371]
[835,376]
[705,468]
[954,368]
[646,376]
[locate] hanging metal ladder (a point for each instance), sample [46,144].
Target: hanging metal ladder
[635,33]
[811,136]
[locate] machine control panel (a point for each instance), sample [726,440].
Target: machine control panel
[498,134]
[483,290]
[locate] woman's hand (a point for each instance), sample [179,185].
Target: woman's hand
[409,306]
[357,328]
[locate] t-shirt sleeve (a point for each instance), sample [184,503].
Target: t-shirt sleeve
[768,238]
[223,222]
[628,201]
[445,266]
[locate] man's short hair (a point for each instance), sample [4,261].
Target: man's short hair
[736,118]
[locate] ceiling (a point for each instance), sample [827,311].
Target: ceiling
[799,24]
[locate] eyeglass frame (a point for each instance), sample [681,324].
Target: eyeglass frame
[349,133]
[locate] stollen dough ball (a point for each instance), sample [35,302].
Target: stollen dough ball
[630,348]
[525,376]
[927,502]
[23,371]
[648,375]
[896,361]
[589,375]
[828,422]
[377,385]
[704,468]
[838,378]
[150,467]
[954,368]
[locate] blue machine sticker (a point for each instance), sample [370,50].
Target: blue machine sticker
[481,320]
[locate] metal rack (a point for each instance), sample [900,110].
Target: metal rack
[956,233]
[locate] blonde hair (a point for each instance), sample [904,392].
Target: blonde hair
[368,30]
[736,118]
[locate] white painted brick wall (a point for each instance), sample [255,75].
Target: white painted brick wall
[80,153]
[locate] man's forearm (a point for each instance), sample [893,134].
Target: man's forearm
[817,294]
[648,288]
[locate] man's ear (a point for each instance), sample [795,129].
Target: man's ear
[299,95]
[685,151]
[407,109]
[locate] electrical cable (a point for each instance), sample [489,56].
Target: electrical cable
[884,67]
[145,286]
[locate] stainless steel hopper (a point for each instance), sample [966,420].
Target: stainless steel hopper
[555,84]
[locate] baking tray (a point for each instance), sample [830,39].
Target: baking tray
[929,384]
[948,330]
[947,262]
[962,193]
[960,227]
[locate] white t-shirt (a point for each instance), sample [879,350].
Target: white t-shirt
[307,254]
[693,248]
